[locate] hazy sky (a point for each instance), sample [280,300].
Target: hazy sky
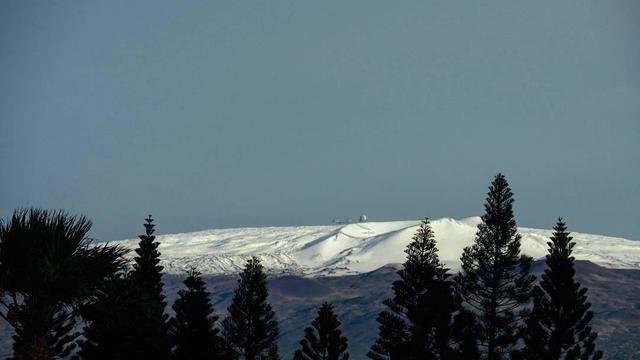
[236,113]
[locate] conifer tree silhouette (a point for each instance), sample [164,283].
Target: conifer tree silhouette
[250,330]
[147,273]
[126,319]
[495,282]
[146,276]
[323,340]
[48,269]
[558,328]
[417,321]
[192,329]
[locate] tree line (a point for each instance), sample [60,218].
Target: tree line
[65,297]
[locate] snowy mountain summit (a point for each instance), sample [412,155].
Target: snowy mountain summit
[356,248]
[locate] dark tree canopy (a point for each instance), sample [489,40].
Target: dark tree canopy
[464,332]
[111,322]
[48,268]
[323,340]
[495,282]
[417,321]
[558,327]
[250,330]
[192,329]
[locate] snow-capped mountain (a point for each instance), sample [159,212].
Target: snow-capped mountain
[356,248]
[347,265]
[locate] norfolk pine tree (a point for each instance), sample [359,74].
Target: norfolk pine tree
[417,321]
[558,327]
[126,320]
[147,279]
[495,282]
[250,330]
[192,329]
[323,340]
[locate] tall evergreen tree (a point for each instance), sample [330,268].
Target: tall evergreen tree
[558,327]
[147,273]
[417,321]
[250,330]
[323,340]
[126,318]
[152,337]
[192,329]
[48,268]
[495,281]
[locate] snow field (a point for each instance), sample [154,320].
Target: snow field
[356,248]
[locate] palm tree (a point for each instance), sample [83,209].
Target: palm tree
[48,267]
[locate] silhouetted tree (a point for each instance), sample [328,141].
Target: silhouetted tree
[126,318]
[417,321]
[192,329]
[48,268]
[31,318]
[146,276]
[558,327]
[323,340]
[495,281]
[250,330]
[112,319]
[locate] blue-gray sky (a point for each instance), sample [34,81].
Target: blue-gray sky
[238,113]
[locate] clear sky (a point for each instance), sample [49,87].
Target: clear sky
[240,113]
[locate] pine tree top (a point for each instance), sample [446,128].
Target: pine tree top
[327,321]
[421,307]
[422,250]
[253,270]
[194,284]
[250,328]
[497,234]
[149,226]
[148,255]
[253,280]
[193,279]
[499,204]
[323,339]
[558,280]
[193,326]
[561,243]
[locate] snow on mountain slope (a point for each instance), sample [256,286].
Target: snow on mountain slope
[355,248]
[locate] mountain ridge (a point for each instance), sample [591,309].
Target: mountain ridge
[356,248]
